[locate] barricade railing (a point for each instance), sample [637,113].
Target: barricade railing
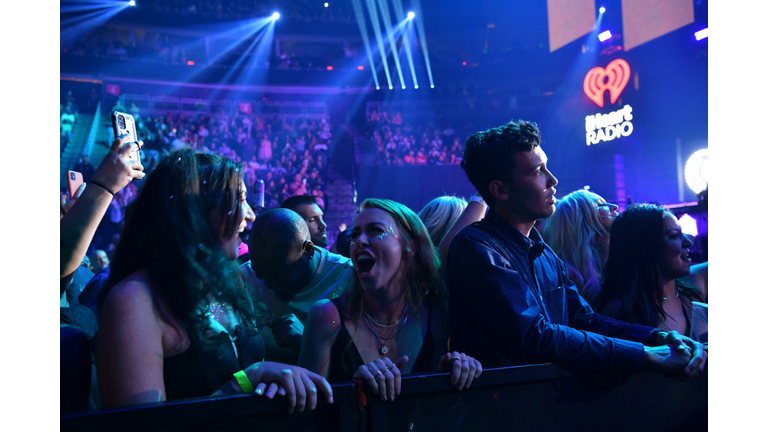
[534,397]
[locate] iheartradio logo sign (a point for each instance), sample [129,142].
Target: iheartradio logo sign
[596,84]
[607,127]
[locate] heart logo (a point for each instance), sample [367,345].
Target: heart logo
[595,83]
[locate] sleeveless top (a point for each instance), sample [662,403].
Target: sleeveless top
[202,369]
[346,359]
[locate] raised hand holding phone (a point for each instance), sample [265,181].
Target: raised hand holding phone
[125,124]
[118,167]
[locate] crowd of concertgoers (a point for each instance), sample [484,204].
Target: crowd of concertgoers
[290,156]
[399,142]
[460,287]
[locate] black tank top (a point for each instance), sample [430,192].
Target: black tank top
[201,370]
[346,359]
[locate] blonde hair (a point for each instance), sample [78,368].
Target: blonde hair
[575,233]
[440,214]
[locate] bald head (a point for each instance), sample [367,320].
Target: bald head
[277,239]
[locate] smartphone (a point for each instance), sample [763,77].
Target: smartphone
[123,123]
[74,180]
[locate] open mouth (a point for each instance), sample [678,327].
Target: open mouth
[365,263]
[686,256]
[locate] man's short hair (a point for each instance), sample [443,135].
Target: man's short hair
[489,154]
[294,202]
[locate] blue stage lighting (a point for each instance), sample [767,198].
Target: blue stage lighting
[276,16]
[702,34]
[415,86]
[604,36]
[131,3]
[390,87]
[602,9]
[411,15]
[432,86]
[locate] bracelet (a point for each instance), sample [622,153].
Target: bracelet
[102,186]
[244,382]
[477,198]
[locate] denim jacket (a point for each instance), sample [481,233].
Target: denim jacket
[511,303]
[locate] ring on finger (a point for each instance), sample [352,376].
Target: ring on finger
[379,372]
[459,359]
[390,367]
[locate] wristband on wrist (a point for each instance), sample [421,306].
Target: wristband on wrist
[477,198]
[102,186]
[244,382]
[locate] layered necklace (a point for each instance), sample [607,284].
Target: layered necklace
[397,325]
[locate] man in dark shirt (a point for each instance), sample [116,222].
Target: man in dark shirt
[511,301]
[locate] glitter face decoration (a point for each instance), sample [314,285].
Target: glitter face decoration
[390,231]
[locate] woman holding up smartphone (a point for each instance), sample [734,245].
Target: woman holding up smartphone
[176,321]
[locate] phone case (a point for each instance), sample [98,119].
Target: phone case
[74,180]
[124,123]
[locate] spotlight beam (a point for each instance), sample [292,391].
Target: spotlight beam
[423,40]
[398,4]
[73,28]
[393,46]
[236,67]
[377,30]
[358,7]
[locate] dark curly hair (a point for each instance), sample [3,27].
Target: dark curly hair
[489,154]
[173,231]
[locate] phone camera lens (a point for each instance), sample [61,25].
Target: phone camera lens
[121,122]
[72,176]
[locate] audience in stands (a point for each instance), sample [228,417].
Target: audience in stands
[175,321]
[579,233]
[394,320]
[509,286]
[424,144]
[286,275]
[67,121]
[648,274]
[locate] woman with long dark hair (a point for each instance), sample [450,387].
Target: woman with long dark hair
[394,320]
[645,278]
[176,321]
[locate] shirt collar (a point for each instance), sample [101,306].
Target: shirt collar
[534,242]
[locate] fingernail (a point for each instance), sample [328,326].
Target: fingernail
[259,391]
[331,399]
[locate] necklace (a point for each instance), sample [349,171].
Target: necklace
[386,324]
[677,294]
[398,325]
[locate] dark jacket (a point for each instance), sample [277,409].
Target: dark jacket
[511,303]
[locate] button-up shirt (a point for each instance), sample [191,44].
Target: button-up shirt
[511,303]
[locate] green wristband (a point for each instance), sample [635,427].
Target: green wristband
[244,382]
